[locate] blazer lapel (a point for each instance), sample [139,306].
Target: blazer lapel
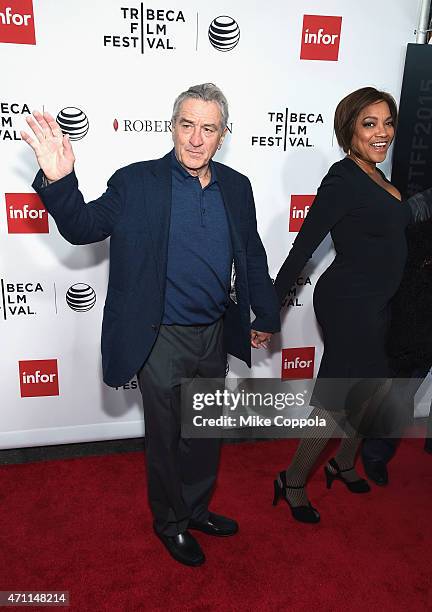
[158,196]
[231,207]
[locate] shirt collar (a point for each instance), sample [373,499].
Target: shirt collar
[182,174]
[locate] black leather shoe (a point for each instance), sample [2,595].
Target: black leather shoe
[355,486]
[215,525]
[183,548]
[377,472]
[304,514]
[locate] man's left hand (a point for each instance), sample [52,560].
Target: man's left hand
[260,339]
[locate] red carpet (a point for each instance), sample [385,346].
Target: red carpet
[83,525]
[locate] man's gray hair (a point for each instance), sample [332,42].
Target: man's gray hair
[208,92]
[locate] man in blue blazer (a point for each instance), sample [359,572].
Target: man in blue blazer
[186,266]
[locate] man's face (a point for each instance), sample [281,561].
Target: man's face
[197,134]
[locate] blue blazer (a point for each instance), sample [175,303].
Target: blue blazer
[135,212]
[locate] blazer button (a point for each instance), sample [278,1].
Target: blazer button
[154,327]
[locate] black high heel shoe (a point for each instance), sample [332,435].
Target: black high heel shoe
[356,486]
[304,514]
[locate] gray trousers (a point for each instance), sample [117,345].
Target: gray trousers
[181,472]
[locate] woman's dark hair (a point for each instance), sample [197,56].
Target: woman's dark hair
[351,106]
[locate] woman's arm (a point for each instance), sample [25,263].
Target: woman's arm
[332,202]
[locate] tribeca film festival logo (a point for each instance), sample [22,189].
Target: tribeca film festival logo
[157,29]
[21,299]
[38,377]
[320,38]
[129,386]
[224,33]
[17,22]
[289,130]
[81,297]
[73,122]
[8,113]
[298,363]
[292,298]
[26,214]
[30,298]
[148,28]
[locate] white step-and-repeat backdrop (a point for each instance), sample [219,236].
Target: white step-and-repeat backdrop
[114,68]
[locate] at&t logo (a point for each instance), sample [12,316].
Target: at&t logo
[320,37]
[298,363]
[224,33]
[38,377]
[26,214]
[17,22]
[81,297]
[74,122]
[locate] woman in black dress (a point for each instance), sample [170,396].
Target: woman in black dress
[367,221]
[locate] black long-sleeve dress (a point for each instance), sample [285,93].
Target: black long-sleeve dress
[351,298]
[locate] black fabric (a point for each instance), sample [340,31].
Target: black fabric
[394,414]
[379,449]
[420,205]
[181,472]
[409,341]
[410,336]
[352,297]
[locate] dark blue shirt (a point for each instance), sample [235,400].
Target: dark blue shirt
[199,251]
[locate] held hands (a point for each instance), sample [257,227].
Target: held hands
[260,339]
[53,151]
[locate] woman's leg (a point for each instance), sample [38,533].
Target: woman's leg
[345,458]
[306,455]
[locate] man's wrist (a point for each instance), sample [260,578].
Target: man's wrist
[45,181]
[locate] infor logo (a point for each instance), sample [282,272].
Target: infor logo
[17,22]
[38,377]
[26,214]
[298,363]
[320,37]
[300,206]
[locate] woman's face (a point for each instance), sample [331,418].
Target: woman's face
[373,133]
